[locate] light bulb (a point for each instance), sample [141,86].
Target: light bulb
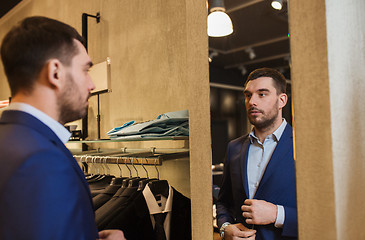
[276,4]
[219,24]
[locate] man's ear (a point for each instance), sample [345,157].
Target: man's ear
[55,73]
[283,98]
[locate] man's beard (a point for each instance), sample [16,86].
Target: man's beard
[266,121]
[69,105]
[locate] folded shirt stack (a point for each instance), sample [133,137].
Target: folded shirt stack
[165,125]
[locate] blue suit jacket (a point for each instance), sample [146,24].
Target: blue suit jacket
[277,186]
[43,192]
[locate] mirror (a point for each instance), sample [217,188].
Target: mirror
[260,39]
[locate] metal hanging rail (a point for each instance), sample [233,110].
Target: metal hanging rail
[142,157]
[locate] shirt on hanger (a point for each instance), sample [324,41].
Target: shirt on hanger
[162,206]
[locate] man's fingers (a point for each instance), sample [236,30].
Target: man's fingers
[112,234]
[246,234]
[250,221]
[244,231]
[242,227]
[104,234]
[247,215]
[239,231]
[245,208]
[248,202]
[251,238]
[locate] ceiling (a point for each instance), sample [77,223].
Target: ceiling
[256,26]
[6,5]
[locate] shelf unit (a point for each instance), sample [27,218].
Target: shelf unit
[147,156]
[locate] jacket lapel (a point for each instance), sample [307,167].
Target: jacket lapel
[74,164]
[180,224]
[142,216]
[284,145]
[243,163]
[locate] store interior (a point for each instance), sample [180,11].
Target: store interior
[162,61]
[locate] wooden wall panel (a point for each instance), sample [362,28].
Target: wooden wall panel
[327,48]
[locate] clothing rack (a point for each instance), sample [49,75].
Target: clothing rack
[151,156]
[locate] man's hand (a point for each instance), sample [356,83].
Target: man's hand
[238,231]
[111,235]
[259,212]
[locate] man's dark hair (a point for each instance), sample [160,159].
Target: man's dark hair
[30,44]
[279,79]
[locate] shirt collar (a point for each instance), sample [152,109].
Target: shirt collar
[62,133]
[276,135]
[152,204]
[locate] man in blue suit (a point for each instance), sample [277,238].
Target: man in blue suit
[43,192]
[257,199]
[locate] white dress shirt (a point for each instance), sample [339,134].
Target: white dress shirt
[62,133]
[259,155]
[164,207]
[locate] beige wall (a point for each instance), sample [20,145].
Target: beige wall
[346,60]
[327,47]
[158,51]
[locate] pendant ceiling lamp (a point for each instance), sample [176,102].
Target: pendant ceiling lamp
[219,23]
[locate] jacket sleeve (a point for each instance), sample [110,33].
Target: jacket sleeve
[290,228]
[225,200]
[45,199]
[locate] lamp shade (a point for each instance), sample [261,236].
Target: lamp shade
[219,24]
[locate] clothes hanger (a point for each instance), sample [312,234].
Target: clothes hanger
[125,181]
[97,176]
[92,176]
[142,183]
[120,169]
[159,187]
[134,182]
[83,168]
[118,180]
[85,165]
[104,176]
[120,183]
[107,172]
[130,171]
